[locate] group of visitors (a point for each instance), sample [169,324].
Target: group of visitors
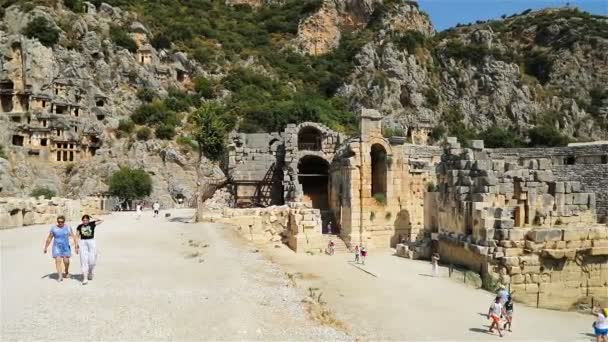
[84,244]
[501,309]
[360,254]
[139,208]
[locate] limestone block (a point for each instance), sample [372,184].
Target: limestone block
[533,246]
[573,244]
[544,176]
[510,261]
[599,243]
[574,234]
[517,234]
[598,233]
[599,251]
[477,144]
[530,259]
[576,186]
[533,164]
[511,252]
[528,269]
[532,288]
[541,235]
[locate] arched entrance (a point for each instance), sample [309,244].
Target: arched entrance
[313,175]
[379,170]
[309,139]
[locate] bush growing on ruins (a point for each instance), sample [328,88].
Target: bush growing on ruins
[121,38]
[210,129]
[380,198]
[165,132]
[147,94]
[546,136]
[43,30]
[143,133]
[489,283]
[130,184]
[496,137]
[43,191]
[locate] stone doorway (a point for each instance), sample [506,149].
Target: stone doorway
[313,175]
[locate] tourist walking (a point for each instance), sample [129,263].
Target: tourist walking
[508,313]
[357,253]
[60,236]
[330,247]
[138,210]
[363,254]
[156,208]
[600,326]
[435,264]
[503,294]
[88,247]
[494,314]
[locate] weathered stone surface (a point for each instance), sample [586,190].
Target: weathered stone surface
[541,235]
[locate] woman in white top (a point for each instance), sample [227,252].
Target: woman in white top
[600,326]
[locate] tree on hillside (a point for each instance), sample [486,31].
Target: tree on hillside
[43,30]
[130,184]
[209,130]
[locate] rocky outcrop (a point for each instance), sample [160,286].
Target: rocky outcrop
[320,32]
[59,106]
[539,67]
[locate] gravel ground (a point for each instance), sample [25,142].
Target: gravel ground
[156,279]
[404,303]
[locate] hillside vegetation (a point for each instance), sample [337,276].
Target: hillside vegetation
[537,78]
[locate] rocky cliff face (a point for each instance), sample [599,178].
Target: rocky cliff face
[60,106]
[545,67]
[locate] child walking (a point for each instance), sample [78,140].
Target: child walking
[357,253]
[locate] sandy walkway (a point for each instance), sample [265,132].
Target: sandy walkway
[405,303]
[151,283]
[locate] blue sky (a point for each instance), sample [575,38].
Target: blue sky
[447,13]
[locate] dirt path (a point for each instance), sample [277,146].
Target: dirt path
[156,279]
[404,303]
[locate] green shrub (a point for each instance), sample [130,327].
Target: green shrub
[146,94]
[153,114]
[496,137]
[539,65]
[161,42]
[130,184]
[432,98]
[76,6]
[388,132]
[489,283]
[380,198]
[126,125]
[186,142]
[43,30]
[165,132]
[204,87]
[121,38]
[410,41]
[143,133]
[210,129]
[43,191]
[546,136]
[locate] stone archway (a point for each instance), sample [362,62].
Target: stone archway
[309,139]
[313,176]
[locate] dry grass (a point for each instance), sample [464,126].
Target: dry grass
[318,310]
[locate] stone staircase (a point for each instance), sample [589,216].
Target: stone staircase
[339,244]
